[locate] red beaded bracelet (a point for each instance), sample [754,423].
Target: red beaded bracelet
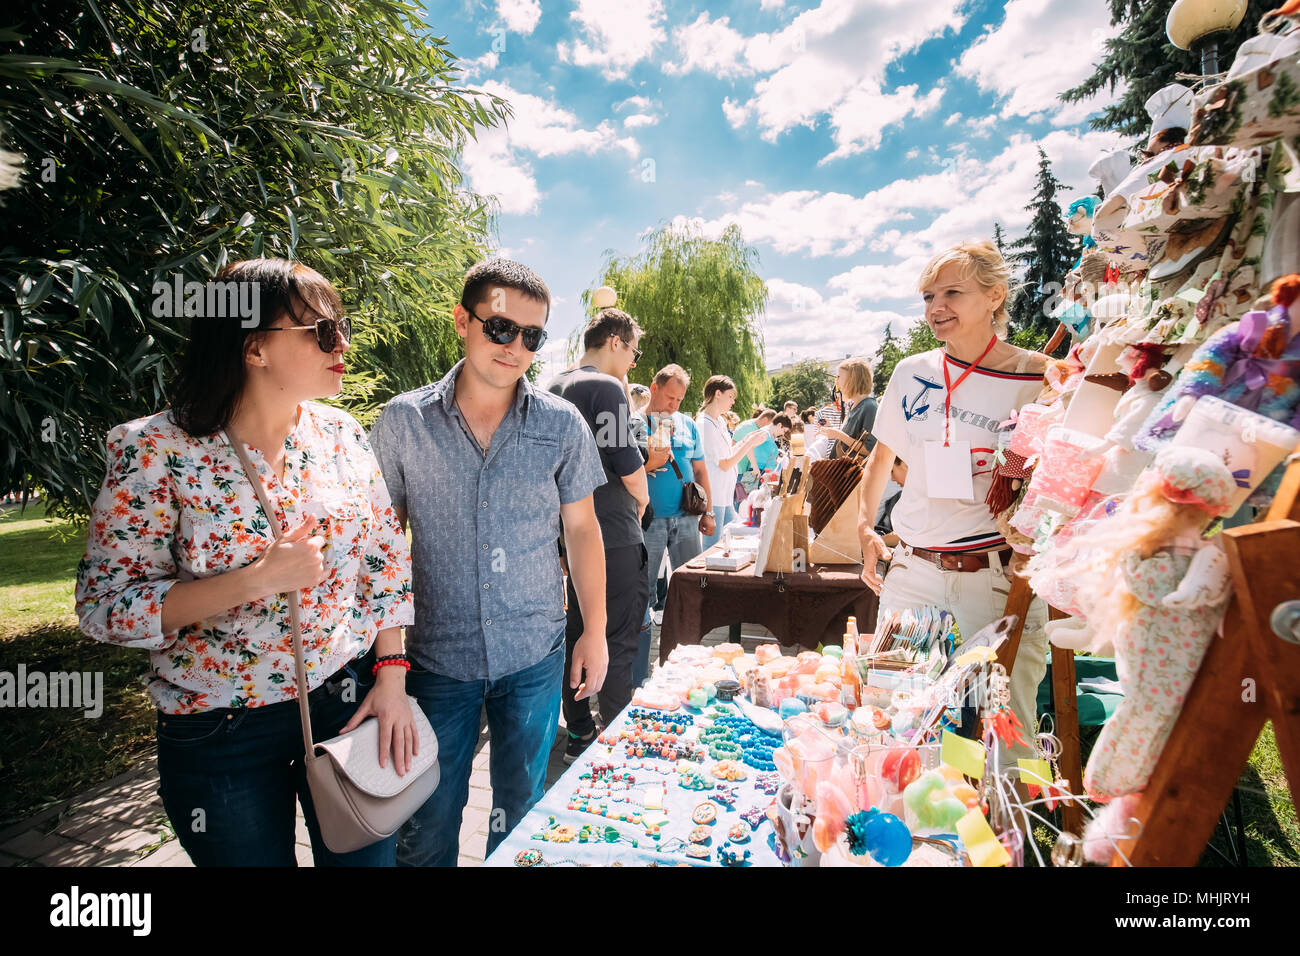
[374,671]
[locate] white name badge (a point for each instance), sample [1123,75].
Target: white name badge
[947,470]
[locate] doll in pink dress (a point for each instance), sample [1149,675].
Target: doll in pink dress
[1153,586]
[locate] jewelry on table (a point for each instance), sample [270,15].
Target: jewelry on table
[725,795]
[729,855]
[730,770]
[739,833]
[769,783]
[700,835]
[754,816]
[705,813]
[534,858]
[693,779]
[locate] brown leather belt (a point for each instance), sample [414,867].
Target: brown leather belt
[949,561]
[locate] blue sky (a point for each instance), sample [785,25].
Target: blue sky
[850,139]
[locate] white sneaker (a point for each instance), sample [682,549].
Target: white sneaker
[656,617]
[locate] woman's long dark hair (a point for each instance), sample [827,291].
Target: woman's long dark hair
[211,376]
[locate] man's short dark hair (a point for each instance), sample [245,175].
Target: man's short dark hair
[764,416]
[784,421]
[495,273]
[607,324]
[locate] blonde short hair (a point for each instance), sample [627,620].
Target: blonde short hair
[671,373]
[857,376]
[979,260]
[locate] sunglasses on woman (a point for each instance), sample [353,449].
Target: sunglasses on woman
[503,332]
[328,332]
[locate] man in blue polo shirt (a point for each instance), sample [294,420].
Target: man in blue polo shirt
[673,530]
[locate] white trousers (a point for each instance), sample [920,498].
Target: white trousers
[976,598]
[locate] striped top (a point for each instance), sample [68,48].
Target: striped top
[911,414]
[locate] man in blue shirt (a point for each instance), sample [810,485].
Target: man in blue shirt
[764,456]
[485,465]
[673,530]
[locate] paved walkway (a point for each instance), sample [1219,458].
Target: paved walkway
[122,822]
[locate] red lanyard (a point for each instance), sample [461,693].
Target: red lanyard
[952,386]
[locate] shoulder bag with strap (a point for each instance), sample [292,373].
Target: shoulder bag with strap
[357,802]
[694,500]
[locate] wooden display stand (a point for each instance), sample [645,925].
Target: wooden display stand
[1249,676]
[839,542]
[789,551]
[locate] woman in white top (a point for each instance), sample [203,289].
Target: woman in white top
[939,415]
[720,453]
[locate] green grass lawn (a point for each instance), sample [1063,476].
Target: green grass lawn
[50,755]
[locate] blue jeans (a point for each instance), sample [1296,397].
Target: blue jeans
[228,778]
[723,515]
[523,710]
[679,536]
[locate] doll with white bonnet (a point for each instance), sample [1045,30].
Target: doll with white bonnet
[1158,590]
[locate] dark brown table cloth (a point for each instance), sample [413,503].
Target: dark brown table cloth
[804,608]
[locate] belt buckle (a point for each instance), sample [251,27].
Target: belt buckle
[950,562]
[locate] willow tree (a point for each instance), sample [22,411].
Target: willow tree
[165,138]
[698,302]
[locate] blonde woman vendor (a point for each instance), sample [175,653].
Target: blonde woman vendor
[939,414]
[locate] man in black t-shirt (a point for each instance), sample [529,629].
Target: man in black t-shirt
[596,386]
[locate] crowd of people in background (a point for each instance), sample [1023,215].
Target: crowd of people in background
[649,465]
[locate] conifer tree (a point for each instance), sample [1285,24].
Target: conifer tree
[1142,60]
[887,356]
[1044,255]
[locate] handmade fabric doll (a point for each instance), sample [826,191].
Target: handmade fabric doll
[1145,577]
[1254,363]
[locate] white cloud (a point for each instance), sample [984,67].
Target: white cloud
[639,103]
[711,46]
[480,65]
[616,36]
[519,16]
[496,161]
[960,200]
[827,64]
[801,323]
[954,118]
[735,113]
[639,119]
[772,4]
[1041,48]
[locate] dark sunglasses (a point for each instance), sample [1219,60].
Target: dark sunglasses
[636,352]
[328,332]
[503,332]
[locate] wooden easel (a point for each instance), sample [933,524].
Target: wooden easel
[1249,675]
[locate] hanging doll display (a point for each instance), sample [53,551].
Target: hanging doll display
[1146,578]
[1254,363]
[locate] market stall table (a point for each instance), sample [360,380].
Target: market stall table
[752,795]
[804,608]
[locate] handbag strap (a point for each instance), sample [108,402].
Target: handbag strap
[295,609]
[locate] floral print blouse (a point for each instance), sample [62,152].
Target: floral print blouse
[174,507]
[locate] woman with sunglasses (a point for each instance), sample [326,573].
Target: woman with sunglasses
[181,561]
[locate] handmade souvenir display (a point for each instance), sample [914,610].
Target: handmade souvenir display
[1251,445]
[1260,100]
[1070,463]
[1147,578]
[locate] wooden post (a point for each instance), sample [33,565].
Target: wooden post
[1065,708]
